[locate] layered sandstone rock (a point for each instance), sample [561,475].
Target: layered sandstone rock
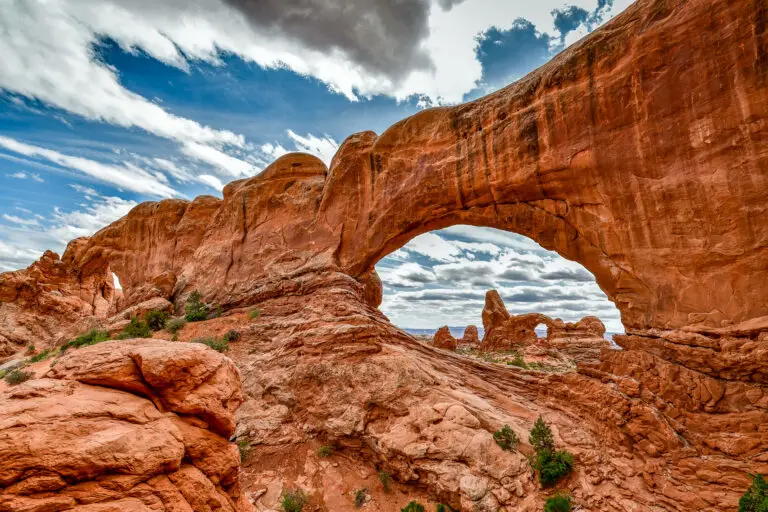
[131,425]
[444,339]
[639,152]
[471,337]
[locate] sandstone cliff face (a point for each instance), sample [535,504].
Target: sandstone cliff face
[640,152]
[133,425]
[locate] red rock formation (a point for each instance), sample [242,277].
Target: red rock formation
[132,425]
[444,339]
[471,336]
[640,152]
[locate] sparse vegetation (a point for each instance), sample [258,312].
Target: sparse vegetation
[325,451]
[136,329]
[196,310]
[361,496]
[386,480]
[231,336]
[413,506]
[245,448]
[174,326]
[558,503]
[519,362]
[42,356]
[552,465]
[31,349]
[215,312]
[215,344]
[156,320]
[445,508]
[294,501]
[92,337]
[506,438]
[18,376]
[756,497]
[254,314]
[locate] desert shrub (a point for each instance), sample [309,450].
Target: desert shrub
[506,438]
[361,495]
[42,356]
[231,336]
[195,310]
[174,326]
[18,376]
[245,448]
[214,312]
[325,451]
[294,501]
[254,314]
[445,508]
[386,480]
[541,437]
[156,320]
[217,345]
[413,506]
[558,503]
[3,373]
[756,497]
[552,466]
[136,329]
[92,337]
[31,349]
[519,362]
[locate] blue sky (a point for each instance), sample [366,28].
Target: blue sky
[104,104]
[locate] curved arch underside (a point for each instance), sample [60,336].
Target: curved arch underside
[639,152]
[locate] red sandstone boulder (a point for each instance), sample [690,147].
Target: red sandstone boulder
[471,336]
[130,425]
[444,339]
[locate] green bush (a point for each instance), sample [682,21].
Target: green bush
[156,320]
[361,495]
[294,501]
[756,497]
[254,314]
[18,376]
[541,437]
[413,507]
[325,451]
[92,337]
[386,480]
[445,508]
[31,349]
[558,503]
[196,310]
[42,356]
[135,329]
[245,448]
[506,438]
[552,466]
[174,326]
[231,336]
[217,345]
[519,362]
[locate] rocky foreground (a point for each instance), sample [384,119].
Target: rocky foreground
[641,152]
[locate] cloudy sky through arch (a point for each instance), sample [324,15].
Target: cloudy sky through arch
[108,103]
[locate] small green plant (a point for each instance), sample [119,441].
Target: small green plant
[361,496]
[558,503]
[445,508]
[386,480]
[541,436]
[42,356]
[3,373]
[156,320]
[325,451]
[245,448]
[31,349]
[18,376]
[136,329]
[231,336]
[174,326]
[413,506]
[254,314]
[92,337]
[506,438]
[519,362]
[294,501]
[756,497]
[196,310]
[217,345]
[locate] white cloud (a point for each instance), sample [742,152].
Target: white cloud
[127,176]
[19,220]
[85,222]
[18,175]
[229,165]
[322,147]
[211,181]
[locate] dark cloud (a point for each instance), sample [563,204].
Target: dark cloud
[384,37]
[579,275]
[569,18]
[438,295]
[515,275]
[507,55]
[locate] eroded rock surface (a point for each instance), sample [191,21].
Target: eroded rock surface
[444,339]
[131,425]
